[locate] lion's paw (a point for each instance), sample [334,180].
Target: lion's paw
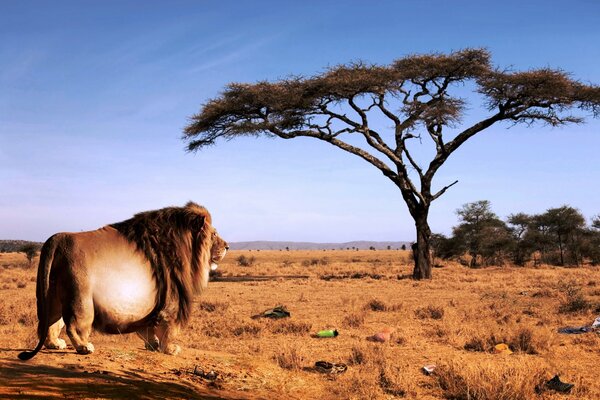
[85,349]
[59,344]
[152,346]
[172,350]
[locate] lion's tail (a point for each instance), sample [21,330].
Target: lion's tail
[43,284]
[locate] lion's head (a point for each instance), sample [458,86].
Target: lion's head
[218,250]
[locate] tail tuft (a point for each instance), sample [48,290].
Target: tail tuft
[27,355]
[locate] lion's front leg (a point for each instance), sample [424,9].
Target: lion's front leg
[166,331]
[150,338]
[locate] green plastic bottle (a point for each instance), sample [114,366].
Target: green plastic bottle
[327,333]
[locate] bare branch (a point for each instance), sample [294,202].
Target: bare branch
[443,190]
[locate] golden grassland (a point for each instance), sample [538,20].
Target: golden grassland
[452,321]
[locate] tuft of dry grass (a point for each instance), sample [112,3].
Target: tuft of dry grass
[357,355]
[492,380]
[214,306]
[376,305]
[247,329]
[354,319]
[430,312]
[27,319]
[291,327]
[290,357]
[519,339]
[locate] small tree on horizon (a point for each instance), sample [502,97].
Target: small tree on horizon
[481,233]
[415,95]
[30,250]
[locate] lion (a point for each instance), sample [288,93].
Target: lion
[139,275]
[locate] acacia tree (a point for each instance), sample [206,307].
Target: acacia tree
[481,233]
[415,94]
[30,250]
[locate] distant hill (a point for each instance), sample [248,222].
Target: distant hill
[360,244]
[8,246]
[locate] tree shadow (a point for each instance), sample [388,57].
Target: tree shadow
[21,380]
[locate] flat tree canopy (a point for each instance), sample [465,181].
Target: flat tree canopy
[414,95]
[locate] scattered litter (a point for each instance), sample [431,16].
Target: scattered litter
[581,329]
[428,369]
[327,333]
[574,330]
[274,313]
[209,376]
[556,384]
[524,293]
[502,348]
[383,336]
[325,367]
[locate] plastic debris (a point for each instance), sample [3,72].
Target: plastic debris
[596,323]
[274,313]
[209,376]
[383,336]
[574,330]
[556,384]
[327,333]
[502,348]
[428,369]
[325,367]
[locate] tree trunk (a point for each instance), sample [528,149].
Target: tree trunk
[560,247]
[422,249]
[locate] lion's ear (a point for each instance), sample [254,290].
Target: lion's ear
[200,211]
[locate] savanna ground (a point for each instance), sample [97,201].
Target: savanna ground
[452,321]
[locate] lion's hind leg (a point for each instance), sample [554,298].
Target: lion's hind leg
[53,341]
[79,317]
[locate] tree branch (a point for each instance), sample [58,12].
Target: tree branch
[443,190]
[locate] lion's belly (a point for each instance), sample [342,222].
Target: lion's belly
[124,293]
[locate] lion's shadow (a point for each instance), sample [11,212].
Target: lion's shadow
[22,380]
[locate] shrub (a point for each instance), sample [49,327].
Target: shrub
[574,299]
[245,261]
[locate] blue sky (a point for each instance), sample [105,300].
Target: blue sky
[94,97]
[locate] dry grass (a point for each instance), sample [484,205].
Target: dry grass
[290,357]
[452,321]
[491,380]
[430,311]
[354,319]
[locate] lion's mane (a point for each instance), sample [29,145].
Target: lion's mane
[177,243]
